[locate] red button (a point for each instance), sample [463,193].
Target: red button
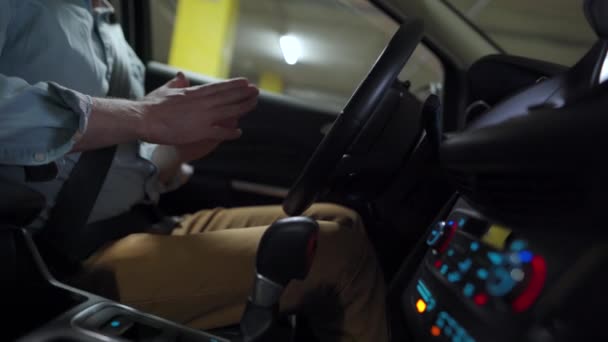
[480,299]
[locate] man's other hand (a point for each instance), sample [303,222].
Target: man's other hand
[174,114]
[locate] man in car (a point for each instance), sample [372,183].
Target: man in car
[58,61]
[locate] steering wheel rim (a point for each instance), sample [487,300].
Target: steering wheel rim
[350,122]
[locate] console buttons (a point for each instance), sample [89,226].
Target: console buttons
[448,327]
[454,277]
[426,297]
[495,258]
[482,273]
[465,265]
[509,277]
[436,234]
[116,326]
[474,246]
[468,290]
[499,282]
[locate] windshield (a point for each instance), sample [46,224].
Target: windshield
[550,30]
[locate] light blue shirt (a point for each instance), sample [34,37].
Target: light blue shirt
[55,55]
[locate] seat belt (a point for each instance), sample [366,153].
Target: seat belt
[63,239]
[60,236]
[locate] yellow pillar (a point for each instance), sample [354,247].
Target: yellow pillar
[271,81]
[203,36]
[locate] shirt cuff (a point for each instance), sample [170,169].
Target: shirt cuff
[79,103]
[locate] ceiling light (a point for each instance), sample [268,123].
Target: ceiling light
[291,48]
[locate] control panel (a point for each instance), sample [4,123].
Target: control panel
[476,279]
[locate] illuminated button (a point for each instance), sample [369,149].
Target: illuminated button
[454,277]
[474,246]
[420,306]
[518,245]
[444,269]
[465,265]
[436,234]
[468,289]
[450,252]
[525,256]
[426,295]
[495,258]
[450,223]
[481,299]
[514,258]
[482,274]
[534,287]
[115,324]
[499,282]
[517,274]
[461,222]
[435,331]
[438,263]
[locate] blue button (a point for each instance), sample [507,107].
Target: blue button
[468,290]
[500,282]
[525,256]
[465,265]
[444,269]
[462,222]
[482,274]
[115,324]
[450,252]
[495,258]
[517,245]
[474,246]
[454,277]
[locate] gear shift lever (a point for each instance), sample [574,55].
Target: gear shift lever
[285,252]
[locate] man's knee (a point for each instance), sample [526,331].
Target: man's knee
[335,213]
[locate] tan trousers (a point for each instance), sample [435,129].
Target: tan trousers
[202,274]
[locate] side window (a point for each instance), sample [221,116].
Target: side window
[316,51]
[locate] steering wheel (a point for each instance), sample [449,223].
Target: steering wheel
[354,117]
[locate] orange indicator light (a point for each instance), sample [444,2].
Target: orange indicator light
[420,306]
[435,331]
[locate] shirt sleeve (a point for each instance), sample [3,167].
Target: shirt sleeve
[181,176]
[39,123]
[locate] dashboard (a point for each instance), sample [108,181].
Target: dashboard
[482,281]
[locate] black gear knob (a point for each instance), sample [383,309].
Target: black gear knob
[287,249]
[285,252]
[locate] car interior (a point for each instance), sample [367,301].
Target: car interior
[484,202]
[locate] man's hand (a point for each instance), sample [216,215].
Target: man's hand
[178,114]
[198,149]
[174,114]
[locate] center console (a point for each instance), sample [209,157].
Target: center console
[39,308]
[480,280]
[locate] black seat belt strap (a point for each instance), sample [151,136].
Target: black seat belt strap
[74,203]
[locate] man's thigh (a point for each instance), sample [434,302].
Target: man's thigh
[203,280]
